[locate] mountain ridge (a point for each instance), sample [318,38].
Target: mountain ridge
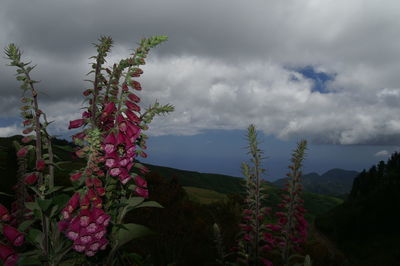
[334,182]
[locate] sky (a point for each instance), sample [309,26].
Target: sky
[324,71]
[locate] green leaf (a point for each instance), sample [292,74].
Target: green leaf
[36,236]
[24,225]
[133,202]
[150,204]
[30,258]
[131,232]
[44,203]
[32,206]
[53,189]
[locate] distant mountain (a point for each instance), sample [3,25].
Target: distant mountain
[335,182]
[366,226]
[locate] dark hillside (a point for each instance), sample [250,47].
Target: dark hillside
[366,225]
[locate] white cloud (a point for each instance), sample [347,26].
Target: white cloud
[10,131]
[382,153]
[210,94]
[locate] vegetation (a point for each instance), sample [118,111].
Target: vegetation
[365,227]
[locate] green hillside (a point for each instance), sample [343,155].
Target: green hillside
[201,187]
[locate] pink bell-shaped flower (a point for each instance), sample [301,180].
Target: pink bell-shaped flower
[8,255]
[13,235]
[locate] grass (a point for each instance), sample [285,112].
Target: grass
[204,196]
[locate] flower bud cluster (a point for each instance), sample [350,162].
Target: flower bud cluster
[85,222]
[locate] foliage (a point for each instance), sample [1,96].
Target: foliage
[365,226]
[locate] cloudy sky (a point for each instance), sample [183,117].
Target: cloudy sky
[327,71]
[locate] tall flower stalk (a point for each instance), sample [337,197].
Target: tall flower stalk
[34,121]
[289,231]
[112,183]
[251,242]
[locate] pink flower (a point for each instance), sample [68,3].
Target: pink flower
[115,171]
[94,246]
[27,130]
[90,253]
[72,235]
[74,201]
[40,165]
[31,178]
[142,192]
[62,225]
[91,228]
[76,176]
[97,203]
[274,227]
[136,85]
[246,227]
[104,243]
[143,169]
[266,262]
[100,234]
[84,218]
[133,130]
[27,122]
[76,123]
[100,191]
[79,135]
[125,87]
[97,182]
[13,235]
[109,109]
[132,106]
[92,194]
[124,178]
[22,152]
[110,162]
[123,126]
[133,98]
[85,239]
[79,248]
[86,114]
[4,214]
[85,202]
[66,214]
[109,148]
[121,139]
[110,139]
[87,92]
[140,181]
[137,72]
[132,116]
[124,161]
[8,255]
